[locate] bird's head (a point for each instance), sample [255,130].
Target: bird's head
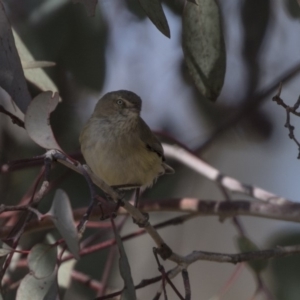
[122,103]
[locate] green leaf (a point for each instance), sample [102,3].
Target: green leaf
[125,270]
[12,78]
[61,213]
[204,47]
[37,120]
[246,245]
[32,288]
[42,260]
[154,11]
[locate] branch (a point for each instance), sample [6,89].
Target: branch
[216,257]
[240,257]
[203,168]
[224,209]
[14,118]
[164,250]
[183,155]
[207,208]
[196,207]
[289,110]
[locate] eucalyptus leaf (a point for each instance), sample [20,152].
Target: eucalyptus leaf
[12,78]
[32,68]
[154,11]
[36,64]
[76,41]
[42,260]
[52,293]
[32,288]
[204,47]
[64,273]
[62,215]
[37,121]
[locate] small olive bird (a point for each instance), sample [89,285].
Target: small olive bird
[118,145]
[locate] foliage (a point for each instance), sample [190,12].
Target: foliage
[48,232]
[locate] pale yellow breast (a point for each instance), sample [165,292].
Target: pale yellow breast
[119,159]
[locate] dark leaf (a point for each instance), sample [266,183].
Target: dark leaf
[154,11]
[76,41]
[12,78]
[293,8]
[90,6]
[52,293]
[204,47]
[253,38]
[254,32]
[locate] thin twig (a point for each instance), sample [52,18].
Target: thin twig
[232,279]
[218,257]
[240,257]
[249,106]
[186,284]
[14,118]
[165,277]
[86,280]
[289,110]
[109,261]
[236,221]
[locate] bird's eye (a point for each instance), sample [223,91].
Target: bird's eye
[120,102]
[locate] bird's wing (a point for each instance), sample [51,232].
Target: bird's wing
[150,140]
[153,144]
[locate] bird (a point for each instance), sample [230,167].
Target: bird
[119,147]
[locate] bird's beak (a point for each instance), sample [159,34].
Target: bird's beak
[134,109]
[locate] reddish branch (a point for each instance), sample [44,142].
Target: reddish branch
[195,207]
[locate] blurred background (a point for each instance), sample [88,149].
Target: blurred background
[119,48]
